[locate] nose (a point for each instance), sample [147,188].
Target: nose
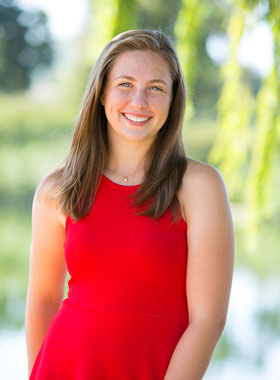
[139,98]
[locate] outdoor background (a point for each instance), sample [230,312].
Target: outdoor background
[230,53]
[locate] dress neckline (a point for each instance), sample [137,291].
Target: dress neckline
[118,184]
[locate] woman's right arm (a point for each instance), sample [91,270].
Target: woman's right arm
[47,270]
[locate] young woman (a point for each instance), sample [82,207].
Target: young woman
[145,233]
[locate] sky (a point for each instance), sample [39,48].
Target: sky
[66,19]
[255,50]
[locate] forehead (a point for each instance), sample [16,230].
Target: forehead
[141,63]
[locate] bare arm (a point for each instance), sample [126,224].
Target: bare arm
[47,271]
[209,271]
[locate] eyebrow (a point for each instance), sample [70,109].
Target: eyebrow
[133,79]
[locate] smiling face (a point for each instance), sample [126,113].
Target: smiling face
[137,96]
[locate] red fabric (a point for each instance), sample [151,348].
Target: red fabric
[126,307]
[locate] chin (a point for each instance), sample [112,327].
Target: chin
[136,137]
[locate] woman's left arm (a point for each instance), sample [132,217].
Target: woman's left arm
[210,264]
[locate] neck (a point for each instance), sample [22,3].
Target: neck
[126,158]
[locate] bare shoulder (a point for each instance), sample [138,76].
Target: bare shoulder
[45,199]
[200,173]
[202,185]
[210,240]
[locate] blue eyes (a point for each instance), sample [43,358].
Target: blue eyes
[126,84]
[157,88]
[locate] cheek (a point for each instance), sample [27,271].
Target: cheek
[161,104]
[111,103]
[118,96]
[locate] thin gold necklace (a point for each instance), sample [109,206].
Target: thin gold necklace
[125,178]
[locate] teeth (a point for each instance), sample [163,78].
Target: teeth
[133,118]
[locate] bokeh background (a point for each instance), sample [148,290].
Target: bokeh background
[230,53]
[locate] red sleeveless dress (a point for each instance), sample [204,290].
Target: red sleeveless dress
[126,307]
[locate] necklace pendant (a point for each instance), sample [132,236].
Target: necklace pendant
[125,179]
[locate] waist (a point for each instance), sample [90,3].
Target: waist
[183,314]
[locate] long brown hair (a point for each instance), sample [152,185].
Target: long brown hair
[77,179]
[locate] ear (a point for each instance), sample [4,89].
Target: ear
[102,99]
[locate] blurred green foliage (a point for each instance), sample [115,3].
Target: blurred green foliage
[33,140]
[25,43]
[248,139]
